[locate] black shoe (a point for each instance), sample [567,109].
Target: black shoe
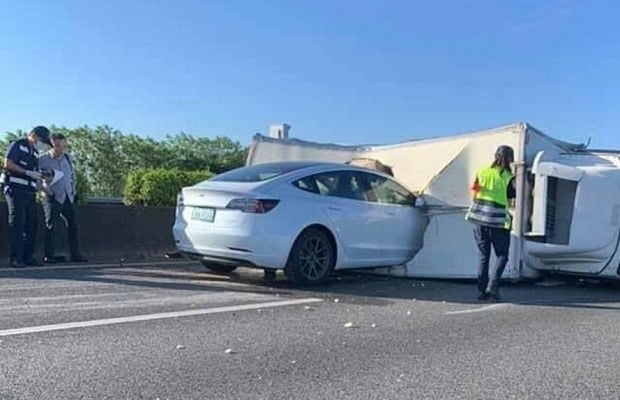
[270,276]
[483,296]
[54,259]
[494,294]
[17,264]
[79,259]
[33,262]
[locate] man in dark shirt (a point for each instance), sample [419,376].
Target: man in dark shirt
[22,179]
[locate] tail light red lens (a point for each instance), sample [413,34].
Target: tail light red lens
[254,206]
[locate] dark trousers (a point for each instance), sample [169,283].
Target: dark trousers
[53,210]
[22,223]
[499,239]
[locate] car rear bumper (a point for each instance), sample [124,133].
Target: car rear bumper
[254,249]
[218,260]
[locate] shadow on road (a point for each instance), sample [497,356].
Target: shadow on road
[347,287]
[565,292]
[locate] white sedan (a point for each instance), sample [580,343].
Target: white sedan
[307,218]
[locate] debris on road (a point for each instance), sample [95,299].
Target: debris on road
[408,312]
[173,254]
[349,325]
[180,347]
[373,325]
[229,351]
[336,300]
[308,308]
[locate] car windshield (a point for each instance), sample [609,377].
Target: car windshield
[260,172]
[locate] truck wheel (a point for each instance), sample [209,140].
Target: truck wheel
[312,258]
[219,268]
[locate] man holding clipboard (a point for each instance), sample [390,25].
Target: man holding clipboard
[60,188]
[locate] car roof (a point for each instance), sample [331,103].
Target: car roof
[297,167]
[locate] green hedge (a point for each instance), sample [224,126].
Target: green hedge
[159,187]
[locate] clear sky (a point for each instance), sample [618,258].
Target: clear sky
[347,71]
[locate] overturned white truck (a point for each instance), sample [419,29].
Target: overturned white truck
[566,214]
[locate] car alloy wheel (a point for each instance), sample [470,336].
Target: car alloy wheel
[312,258]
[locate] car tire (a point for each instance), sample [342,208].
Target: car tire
[219,268]
[312,258]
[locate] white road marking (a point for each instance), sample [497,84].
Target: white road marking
[479,309]
[150,317]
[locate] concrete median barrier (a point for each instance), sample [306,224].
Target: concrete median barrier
[108,232]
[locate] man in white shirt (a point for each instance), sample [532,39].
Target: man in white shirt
[60,198]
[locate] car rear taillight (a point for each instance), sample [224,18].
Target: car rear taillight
[255,206]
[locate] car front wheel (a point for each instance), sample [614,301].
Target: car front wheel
[312,258]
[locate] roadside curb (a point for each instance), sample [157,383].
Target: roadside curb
[118,264]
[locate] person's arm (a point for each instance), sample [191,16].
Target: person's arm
[475,188]
[512,192]
[512,189]
[73,174]
[11,165]
[42,185]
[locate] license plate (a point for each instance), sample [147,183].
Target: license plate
[203,214]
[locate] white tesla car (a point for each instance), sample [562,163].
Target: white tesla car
[307,218]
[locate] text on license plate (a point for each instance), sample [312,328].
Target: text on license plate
[203,214]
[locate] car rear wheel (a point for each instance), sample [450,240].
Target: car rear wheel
[312,258]
[219,268]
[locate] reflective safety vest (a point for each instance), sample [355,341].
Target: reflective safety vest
[25,156]
[490,207]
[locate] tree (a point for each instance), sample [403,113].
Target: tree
[217,155]
[104,156]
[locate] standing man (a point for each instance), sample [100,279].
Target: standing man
[21,182]
[60,198]
[493,189]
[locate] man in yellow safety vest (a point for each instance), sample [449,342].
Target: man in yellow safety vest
[492,191]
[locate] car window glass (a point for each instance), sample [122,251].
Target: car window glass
[344,184]
[308,184]
[259,172]
[386,191]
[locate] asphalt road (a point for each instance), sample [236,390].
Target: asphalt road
[178,332]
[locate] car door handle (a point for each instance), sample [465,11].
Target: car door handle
[335,209]
[391,212]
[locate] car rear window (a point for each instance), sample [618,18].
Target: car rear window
[260,172]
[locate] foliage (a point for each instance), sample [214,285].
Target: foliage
[104,156]
[159,187]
